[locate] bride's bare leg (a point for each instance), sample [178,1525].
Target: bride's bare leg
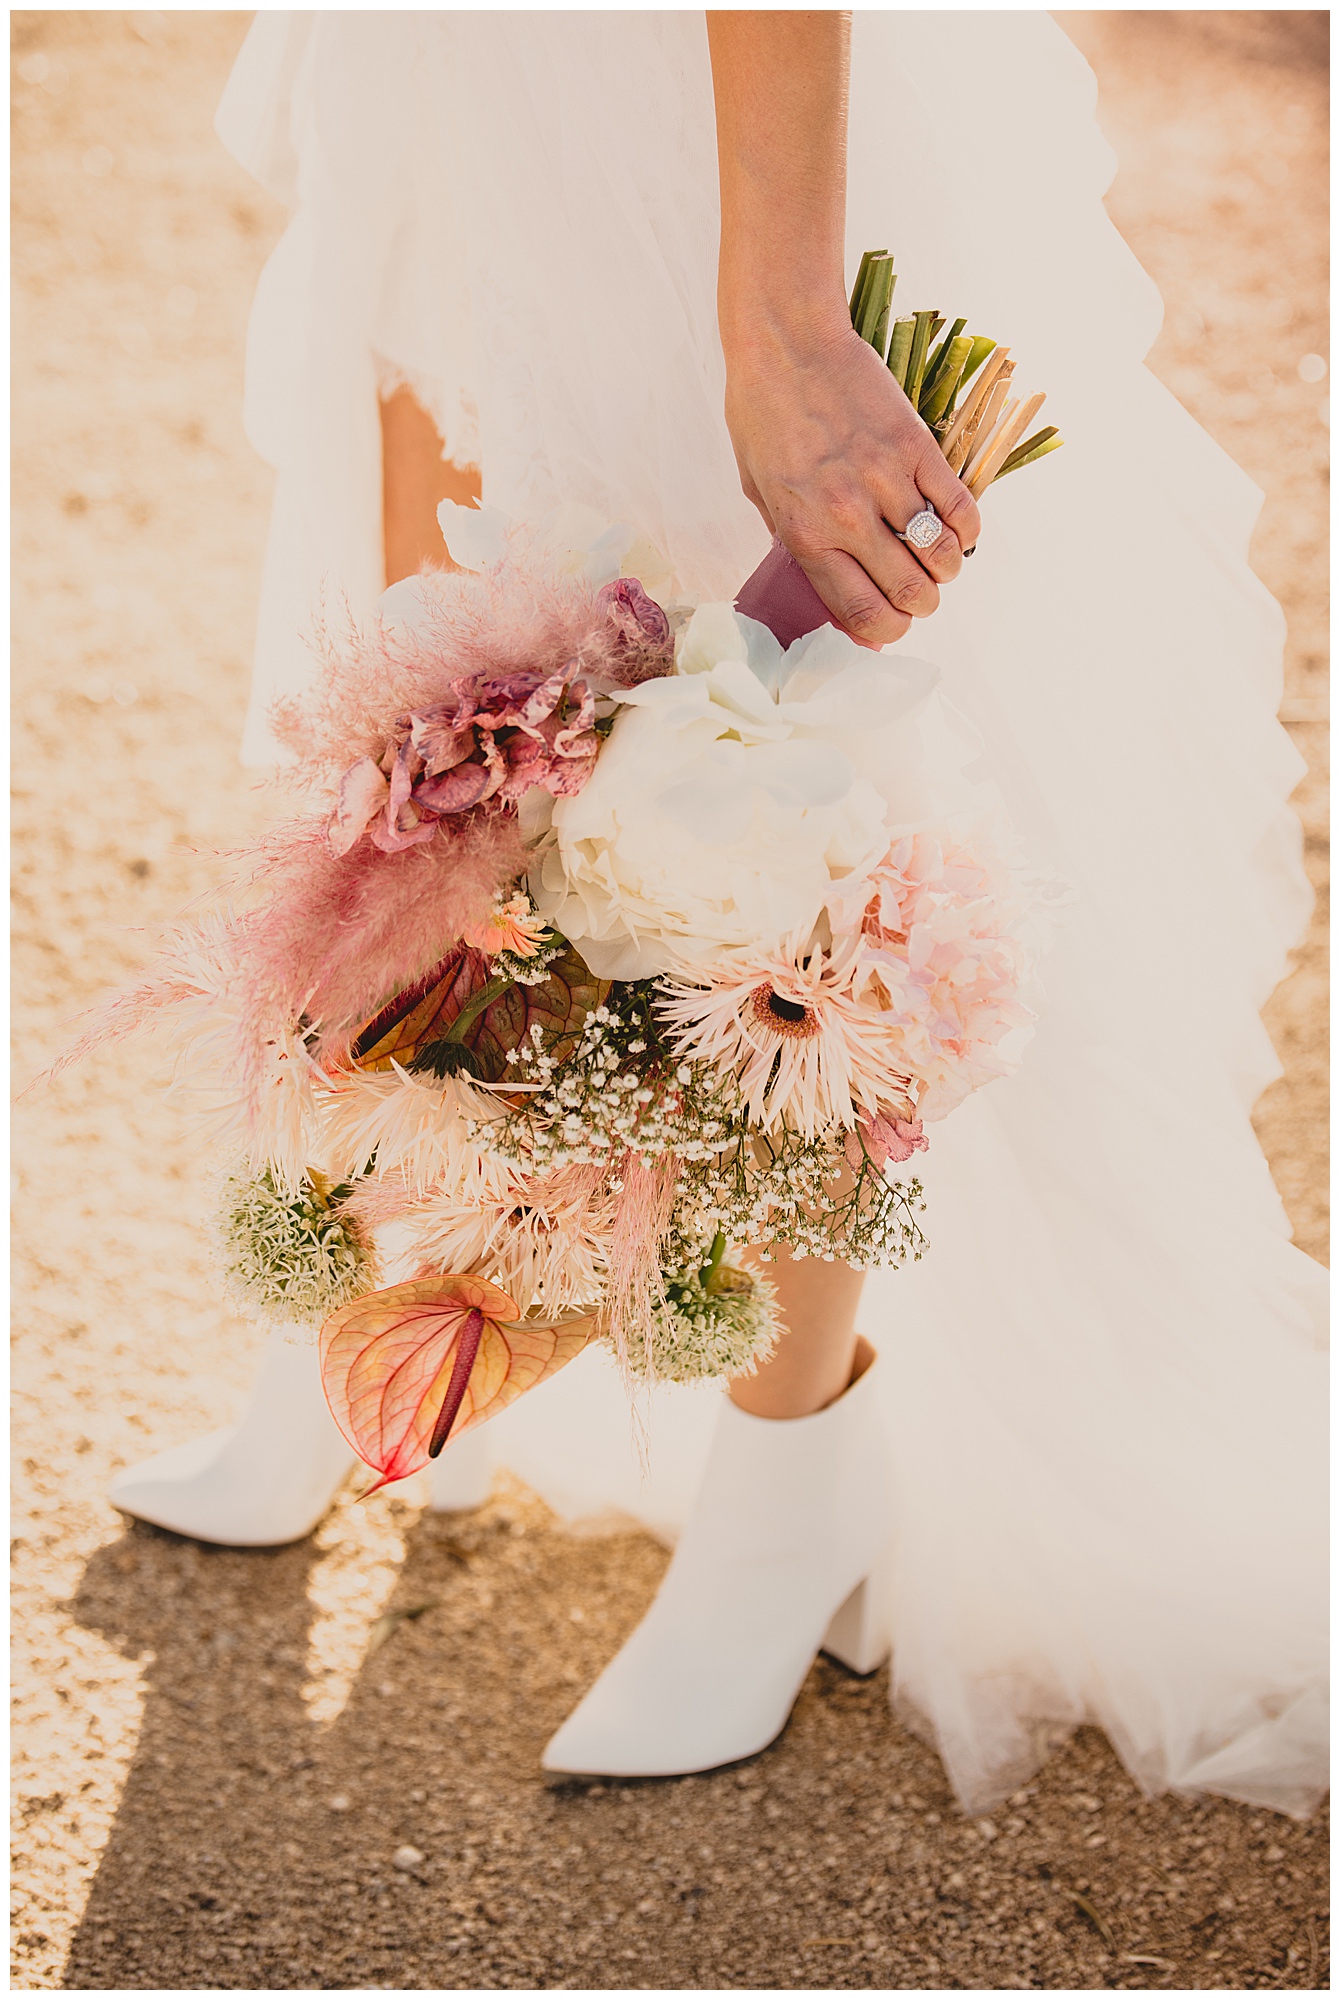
[414,479]
[816,1355]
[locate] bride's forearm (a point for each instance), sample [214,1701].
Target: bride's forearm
[829,448]
[780,81]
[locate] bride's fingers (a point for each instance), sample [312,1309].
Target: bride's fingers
[857,603]
[951,501]
[900,572]
[944,558]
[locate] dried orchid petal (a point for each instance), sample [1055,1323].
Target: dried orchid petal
[363,791]
[494,739]
[440,737]
[394,840]
[406,1367]
[543,701]
[455,790]
[637,617]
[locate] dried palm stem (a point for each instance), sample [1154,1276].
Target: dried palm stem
[960,387]
[1002,444]
[989,415]
[972,402]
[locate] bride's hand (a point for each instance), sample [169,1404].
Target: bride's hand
[834,457]
[829,448]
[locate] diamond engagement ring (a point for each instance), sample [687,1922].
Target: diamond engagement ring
[923,530]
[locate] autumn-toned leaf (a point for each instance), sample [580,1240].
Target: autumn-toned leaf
[424,1012]
[406,1368]
[559,1006]
[421,1018]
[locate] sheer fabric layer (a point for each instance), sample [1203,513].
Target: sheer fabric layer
[1104,1384]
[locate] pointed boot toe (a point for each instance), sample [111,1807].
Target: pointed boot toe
[157,1490]
[208,1489]
[640,1721]
[791,1519]
[259,1484]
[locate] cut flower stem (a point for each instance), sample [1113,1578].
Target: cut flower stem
[978,435]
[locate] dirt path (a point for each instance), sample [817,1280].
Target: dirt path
[219,1754]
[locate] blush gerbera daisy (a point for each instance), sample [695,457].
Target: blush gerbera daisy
[787,1026]
[513,926]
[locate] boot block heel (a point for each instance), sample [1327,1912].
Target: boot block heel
[858,1634]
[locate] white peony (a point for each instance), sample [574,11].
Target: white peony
[734,797]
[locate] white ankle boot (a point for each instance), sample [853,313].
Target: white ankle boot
[270,1478]
[779,1559]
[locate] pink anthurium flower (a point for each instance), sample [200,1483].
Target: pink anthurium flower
[406,1368]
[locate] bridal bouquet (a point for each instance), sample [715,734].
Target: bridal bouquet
[612,939]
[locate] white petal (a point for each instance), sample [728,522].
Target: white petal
[713,634]
[581,542]
[476,537]
[764,652]
[603,561]
[408,605]
[799,774]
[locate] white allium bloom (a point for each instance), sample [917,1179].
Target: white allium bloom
[734,796]
[288,1257]
[696,1336]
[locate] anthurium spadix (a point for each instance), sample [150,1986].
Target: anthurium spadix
[406,1368]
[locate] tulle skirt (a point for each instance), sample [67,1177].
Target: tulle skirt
[1104,1385]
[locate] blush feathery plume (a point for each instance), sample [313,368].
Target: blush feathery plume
[643,1213]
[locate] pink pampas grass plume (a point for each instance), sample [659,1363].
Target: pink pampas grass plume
[341,935]
[643,1209]
[298,974]
[542,1240]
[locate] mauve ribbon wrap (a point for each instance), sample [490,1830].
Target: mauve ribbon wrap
[781,596]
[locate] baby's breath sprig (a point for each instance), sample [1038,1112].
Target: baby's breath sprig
[621,1089]
[781,1188]
[533,969]
[874,1218]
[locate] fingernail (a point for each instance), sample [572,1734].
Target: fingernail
[972,551]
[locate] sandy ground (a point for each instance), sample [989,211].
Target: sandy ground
[218,1753]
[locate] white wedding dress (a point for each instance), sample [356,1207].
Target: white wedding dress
[1104,1385]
